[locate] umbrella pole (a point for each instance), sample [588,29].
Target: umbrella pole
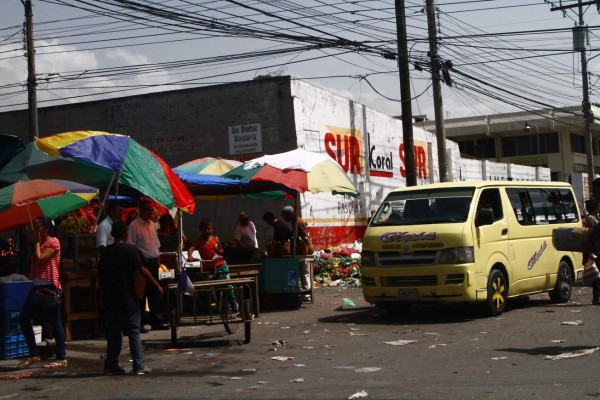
[179,216]
[29,215]
[103,204]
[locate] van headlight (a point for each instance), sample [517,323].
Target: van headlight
[367,258]
[458,255]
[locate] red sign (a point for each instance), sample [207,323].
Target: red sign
[345,150]
[420,161]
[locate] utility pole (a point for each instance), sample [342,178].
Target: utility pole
[405,96]
[438,103]
[31,80]
[580,34]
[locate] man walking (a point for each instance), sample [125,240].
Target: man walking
[119,264]
[142,234]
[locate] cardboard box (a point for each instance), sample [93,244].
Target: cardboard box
[170,274]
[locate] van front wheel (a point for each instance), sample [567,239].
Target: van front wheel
[564,284]
[497,293]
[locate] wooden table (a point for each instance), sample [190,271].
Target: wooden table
[77,280]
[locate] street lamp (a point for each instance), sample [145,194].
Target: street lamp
[537,136]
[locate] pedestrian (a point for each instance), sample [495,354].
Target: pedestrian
[211,256]
[281,233]
[298,223]
[143,235]
[118,266]
[245,232]
[591,221]
[46,295]
[104,238]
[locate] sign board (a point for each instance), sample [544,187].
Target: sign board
[245,139]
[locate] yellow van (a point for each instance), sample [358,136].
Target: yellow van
[483,241]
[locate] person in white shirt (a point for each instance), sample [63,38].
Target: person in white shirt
[245,232]
[143,235]
[103,236]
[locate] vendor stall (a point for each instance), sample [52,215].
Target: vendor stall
[285,175]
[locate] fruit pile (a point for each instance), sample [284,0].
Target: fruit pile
[338,266]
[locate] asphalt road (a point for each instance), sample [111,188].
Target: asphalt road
[438,352]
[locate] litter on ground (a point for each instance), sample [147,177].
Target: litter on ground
[573,354]
[400,342]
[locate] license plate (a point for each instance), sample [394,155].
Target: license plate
[408,294]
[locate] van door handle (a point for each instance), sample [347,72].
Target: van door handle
[504,231]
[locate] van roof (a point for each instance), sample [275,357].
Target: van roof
[482,184]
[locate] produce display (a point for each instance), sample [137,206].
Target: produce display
[338,266]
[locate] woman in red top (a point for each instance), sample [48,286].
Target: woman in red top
[44,273]
[211,256]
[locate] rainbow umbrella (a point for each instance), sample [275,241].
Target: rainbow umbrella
[208,166]
[131,164]
[300,170]
[22,202]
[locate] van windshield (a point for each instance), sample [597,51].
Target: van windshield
[424,206]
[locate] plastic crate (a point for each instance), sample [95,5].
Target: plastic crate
[13,346]
[9,323]
[13,295]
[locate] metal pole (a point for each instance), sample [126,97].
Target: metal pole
[588,117]
[438,103]
[537,137]
[405,96]
[31,81]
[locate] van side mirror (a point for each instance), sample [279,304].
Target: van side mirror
[484,216]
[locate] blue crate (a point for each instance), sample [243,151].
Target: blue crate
[13,295]
[13,346]
[9,323]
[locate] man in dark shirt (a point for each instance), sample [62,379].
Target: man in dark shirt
[119,264]
[281,232]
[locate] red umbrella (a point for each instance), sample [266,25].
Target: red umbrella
[22,202]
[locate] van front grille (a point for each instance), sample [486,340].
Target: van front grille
[368,281]
[394,258]
[455,279]
[400,281]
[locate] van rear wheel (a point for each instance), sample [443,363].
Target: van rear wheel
[564,284]
[497,293]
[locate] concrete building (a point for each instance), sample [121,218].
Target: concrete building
[268,116]
[555,139]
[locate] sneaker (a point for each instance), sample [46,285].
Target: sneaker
[114,371]
[143,371]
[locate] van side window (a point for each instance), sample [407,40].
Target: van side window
[539,206]
[490,198]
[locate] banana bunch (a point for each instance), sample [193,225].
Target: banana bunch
[163,268]
[73,224]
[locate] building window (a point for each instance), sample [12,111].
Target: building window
[480,148]
[577,143]
[527,145]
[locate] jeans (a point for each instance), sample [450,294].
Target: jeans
[596,289]
[222,272]
[119,323]
[52,315]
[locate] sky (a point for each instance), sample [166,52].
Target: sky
[506,55]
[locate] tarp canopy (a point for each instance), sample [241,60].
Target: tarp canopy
[212,186]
